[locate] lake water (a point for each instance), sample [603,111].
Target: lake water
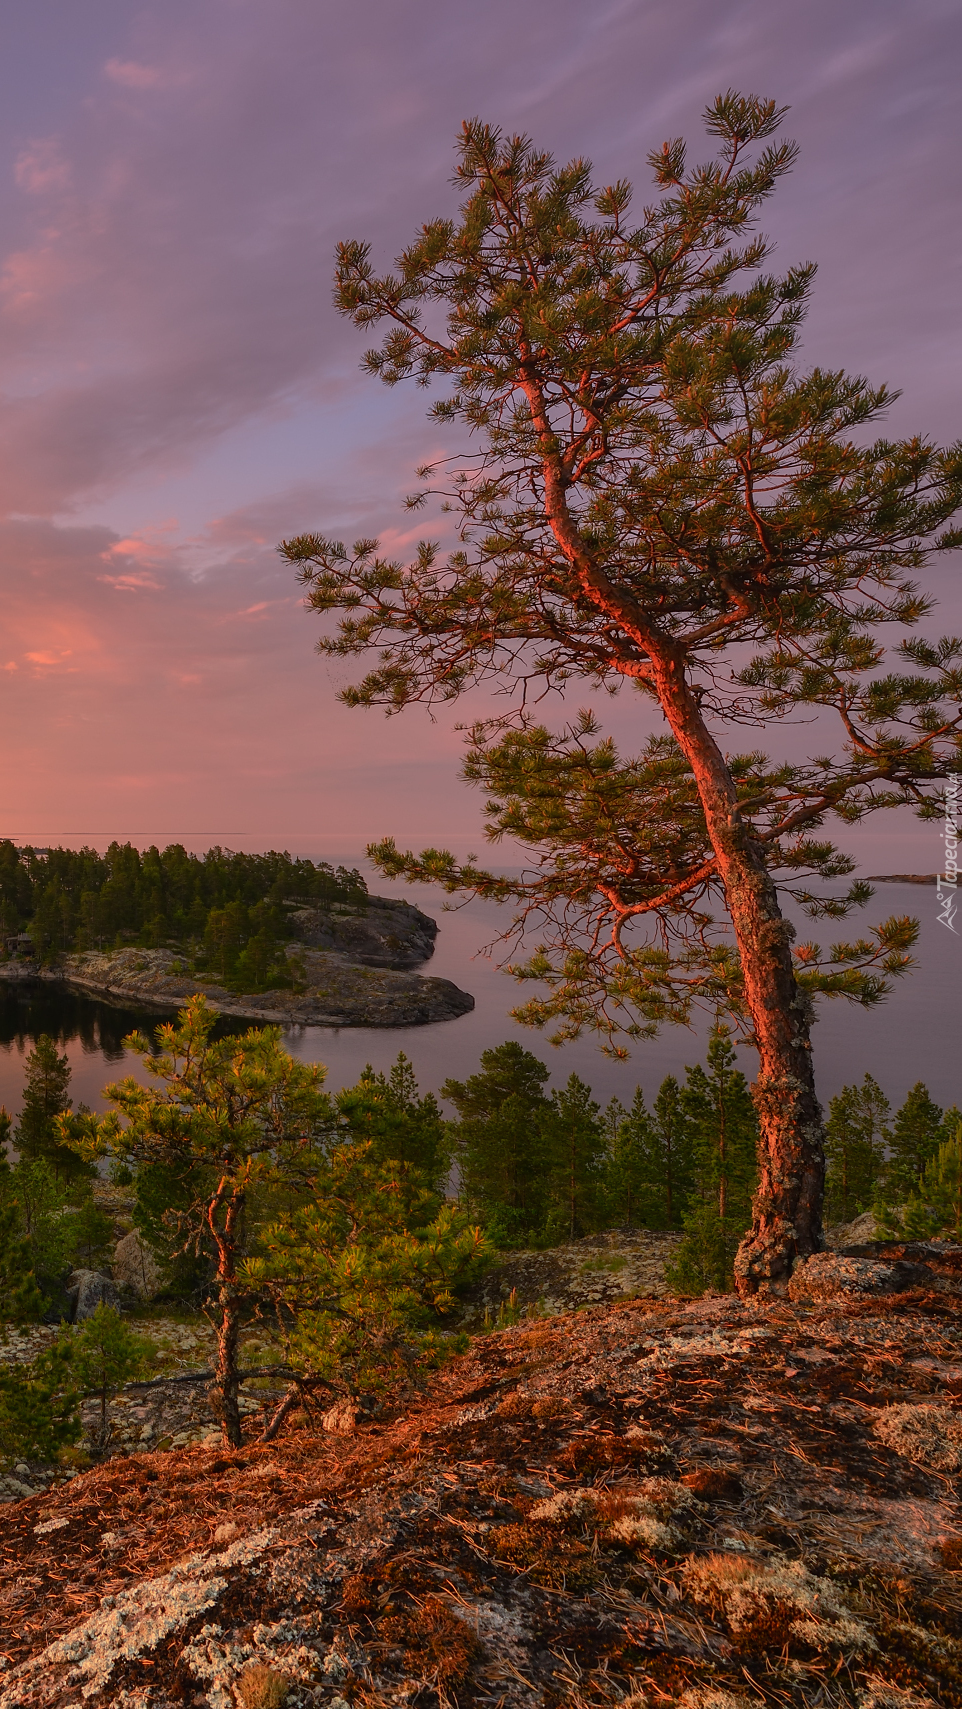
[914,1035]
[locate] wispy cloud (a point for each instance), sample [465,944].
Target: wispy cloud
[41,167]
[168,344]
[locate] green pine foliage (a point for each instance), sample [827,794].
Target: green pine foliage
[401,1126]
[857,1134]
[501,1142]
[362,1285]
[723,1136]
[650,1168]
[657,492]
[917,1133]
[230,907]
[45,1100]
[240,1125]
[57,1221]
[934,1207]
[20,1299]
[103,1354]
[39,1408]
[574,1139]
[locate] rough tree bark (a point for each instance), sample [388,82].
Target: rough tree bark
[787,1208]
[228,1330]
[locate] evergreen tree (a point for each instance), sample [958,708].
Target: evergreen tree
[401,1126]
[916,1136]
[45,1100]
[104,1354]
[575,1139]
[657,493]
[359,1285]
[723,1129]
[232,1119]
[20,1299]
[935,1205]
[631,1143]
[650,1168]
[856,1137]
[43,1200]
[500,1141]
[39,1408]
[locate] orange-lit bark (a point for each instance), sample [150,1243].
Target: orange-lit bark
[228,1330]
[787,1208]
[787,1220]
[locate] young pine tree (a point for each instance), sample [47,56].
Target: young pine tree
[231,1119]
[20,1298]
[357,1281]
[575,1138]
[723,1129]
[39,1408]
[500,1141]
[45,1100]
[856,1137]
[917,1133]
[935,1205]
[650,1167]
[103,1355]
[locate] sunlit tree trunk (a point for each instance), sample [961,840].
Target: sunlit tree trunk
[787,1208]
[228,1306]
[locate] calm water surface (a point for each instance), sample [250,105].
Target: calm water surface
[914,1035]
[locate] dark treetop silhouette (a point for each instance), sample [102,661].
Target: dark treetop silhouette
[658,493]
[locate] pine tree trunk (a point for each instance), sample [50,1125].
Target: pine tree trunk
[228,1331]
[787,1207]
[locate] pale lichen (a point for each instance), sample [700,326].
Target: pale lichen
[748,1591]
[929,1435]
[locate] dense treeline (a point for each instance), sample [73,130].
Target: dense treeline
[538,1168]
[226,910]
[531,1167]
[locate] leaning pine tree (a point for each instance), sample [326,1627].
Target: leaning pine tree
[649,488]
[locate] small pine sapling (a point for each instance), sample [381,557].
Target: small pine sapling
[104,1354]
[39,1408]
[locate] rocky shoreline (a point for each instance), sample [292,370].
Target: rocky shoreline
[352,968]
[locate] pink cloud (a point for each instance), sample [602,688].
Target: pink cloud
[41,167]
[50,658]
[129,584]
[166,328]
[130,75]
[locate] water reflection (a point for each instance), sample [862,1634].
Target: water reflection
[91,1033]
[30,1009]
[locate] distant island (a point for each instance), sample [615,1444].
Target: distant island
[265,937]
[904,878]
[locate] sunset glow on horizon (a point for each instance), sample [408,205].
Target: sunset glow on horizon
[179,393]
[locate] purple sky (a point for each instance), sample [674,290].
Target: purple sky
[178,392]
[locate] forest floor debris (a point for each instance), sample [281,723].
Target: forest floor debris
[712,1503]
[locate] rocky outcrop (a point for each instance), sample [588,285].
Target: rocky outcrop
[334,988]
[382,934]
[881,1267]
[621,1263]
[716,1504]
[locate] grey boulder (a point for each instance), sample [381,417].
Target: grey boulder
[88,1289]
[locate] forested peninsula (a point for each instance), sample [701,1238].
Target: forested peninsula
[265,937]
